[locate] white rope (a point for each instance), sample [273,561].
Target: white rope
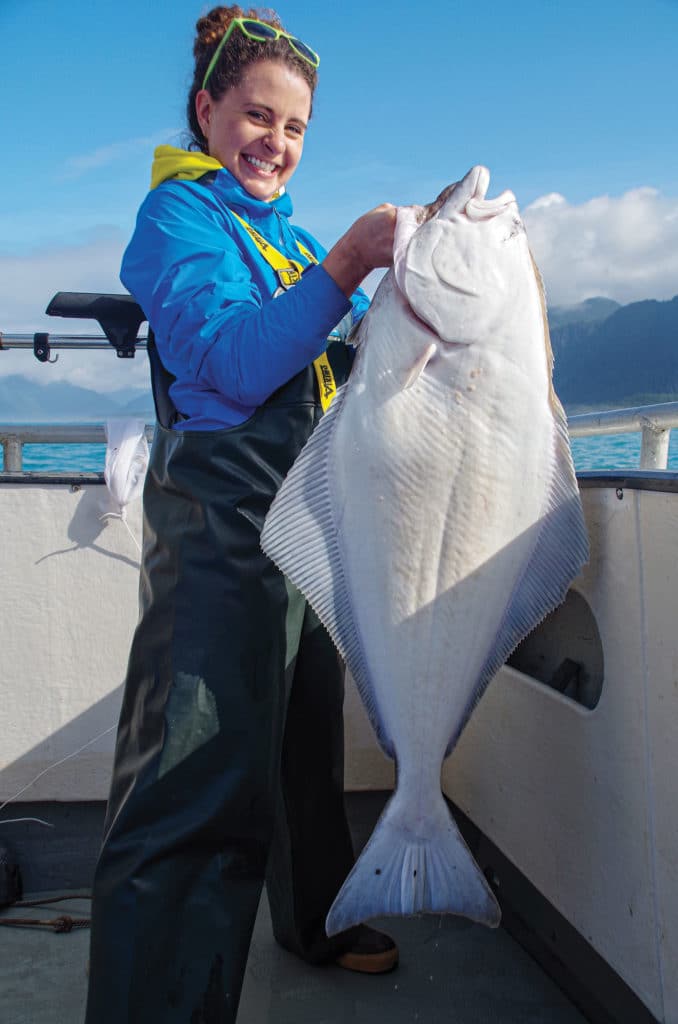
[49,769]
[121,515]
[13,821]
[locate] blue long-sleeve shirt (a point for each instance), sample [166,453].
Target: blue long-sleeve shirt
[207,293]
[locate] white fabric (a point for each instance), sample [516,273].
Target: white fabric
[126,460]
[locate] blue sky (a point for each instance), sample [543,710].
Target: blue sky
[571,106]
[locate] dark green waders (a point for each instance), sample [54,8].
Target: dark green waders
[230,742]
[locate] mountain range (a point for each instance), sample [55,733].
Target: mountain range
[27,401]
[606,355]
[616,358]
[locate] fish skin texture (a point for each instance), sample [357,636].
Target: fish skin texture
[433,520]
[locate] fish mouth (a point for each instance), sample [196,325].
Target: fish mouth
[480,208]
[469,196]
[479,181]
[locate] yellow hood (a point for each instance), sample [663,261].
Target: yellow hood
[170,162]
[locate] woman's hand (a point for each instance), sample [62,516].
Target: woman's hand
[367,244]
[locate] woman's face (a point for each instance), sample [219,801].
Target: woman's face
[256,130]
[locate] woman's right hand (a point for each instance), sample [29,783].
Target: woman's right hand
[367,244]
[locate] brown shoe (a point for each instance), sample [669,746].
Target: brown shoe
[372,952]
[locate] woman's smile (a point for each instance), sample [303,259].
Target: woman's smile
[263,165]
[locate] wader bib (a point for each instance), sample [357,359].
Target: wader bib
[230,743]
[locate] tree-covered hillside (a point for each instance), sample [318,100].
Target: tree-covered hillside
[627,358]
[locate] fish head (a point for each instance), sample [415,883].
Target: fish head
[463,262]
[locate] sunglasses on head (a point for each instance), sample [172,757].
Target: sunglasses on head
[262,33]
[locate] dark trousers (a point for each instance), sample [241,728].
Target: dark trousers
[228,766]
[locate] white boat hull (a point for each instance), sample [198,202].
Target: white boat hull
[583,802]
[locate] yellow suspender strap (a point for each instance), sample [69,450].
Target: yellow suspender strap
[289,272]
[326,381]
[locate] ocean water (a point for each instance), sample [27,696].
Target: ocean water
[64,458]
[613,451]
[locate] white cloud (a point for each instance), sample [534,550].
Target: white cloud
[622,247]
[28,282]
[548,201]
[128,149]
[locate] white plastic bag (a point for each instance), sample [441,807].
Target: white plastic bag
[126,463]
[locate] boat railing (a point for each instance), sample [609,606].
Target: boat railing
[14,436]
[38,342]
[654,422]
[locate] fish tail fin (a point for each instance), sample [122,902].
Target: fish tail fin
[401,872]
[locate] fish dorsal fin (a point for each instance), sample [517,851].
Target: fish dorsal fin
[560,550]
[302,537]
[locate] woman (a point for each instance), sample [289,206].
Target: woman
[229,759]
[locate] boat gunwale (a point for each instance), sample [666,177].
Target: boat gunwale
[34,477]
[630,479]
[626,479]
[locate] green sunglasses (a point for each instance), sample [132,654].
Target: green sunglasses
[262,33]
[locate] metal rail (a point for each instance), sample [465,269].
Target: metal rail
[653,421]
[14,436]
[79,341]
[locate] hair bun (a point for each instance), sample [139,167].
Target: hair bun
[212,26]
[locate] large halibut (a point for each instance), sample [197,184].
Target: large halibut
[433,520]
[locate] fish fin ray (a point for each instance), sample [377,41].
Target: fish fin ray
[301,537]
[400,874]
[560,550]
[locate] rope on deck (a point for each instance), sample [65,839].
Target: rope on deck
[63,923]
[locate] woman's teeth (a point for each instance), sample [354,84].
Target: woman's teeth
[263,165]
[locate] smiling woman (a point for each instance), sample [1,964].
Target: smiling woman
[229,759]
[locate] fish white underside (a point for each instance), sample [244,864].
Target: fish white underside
[432,521]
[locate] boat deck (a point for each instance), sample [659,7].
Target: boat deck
[450,970]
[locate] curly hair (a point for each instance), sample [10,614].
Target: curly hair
[238,54]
